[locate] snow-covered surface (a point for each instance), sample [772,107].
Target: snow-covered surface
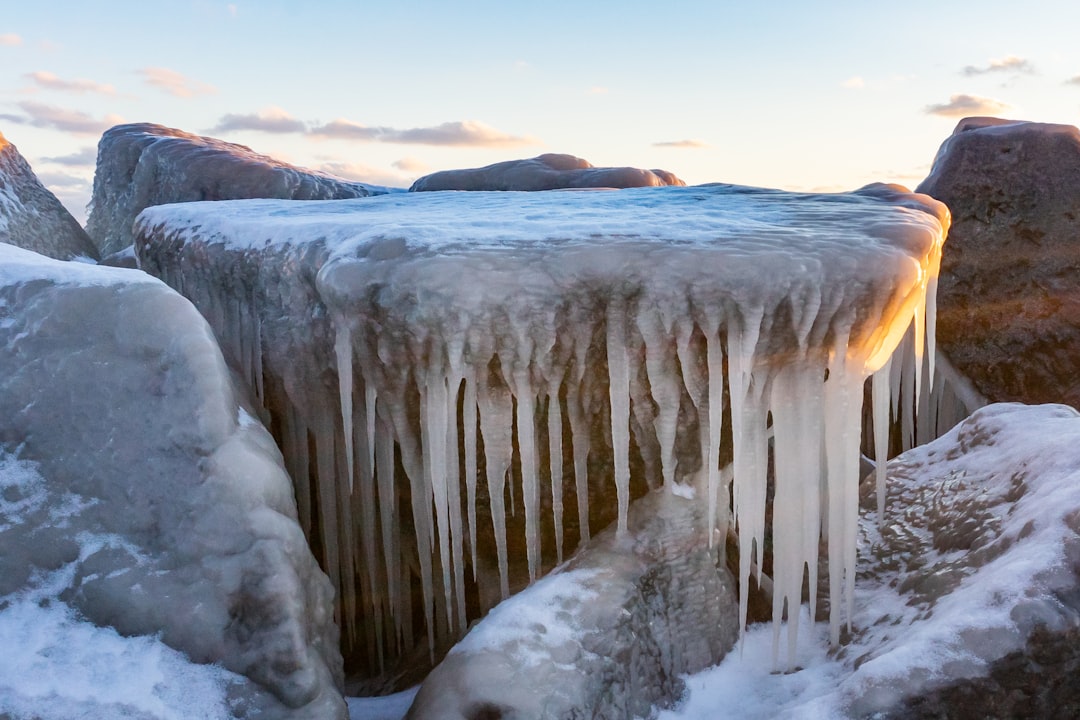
[389,707]
[142,498]
[31,217]
[978,545]
[56,664]
[502,302]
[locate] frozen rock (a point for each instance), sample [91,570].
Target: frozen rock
[142,164]
[608,635]
[435,364]
[162,507]
[31,217]
[1009,294]
[551,171]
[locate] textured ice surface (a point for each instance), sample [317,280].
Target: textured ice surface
[31,217]
[980,544]
[143,164]
[608,635]
[416,350]
[550,171]
[157,506]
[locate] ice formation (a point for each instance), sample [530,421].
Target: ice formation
[144,164]
[550,171]
[978,548]
[418,351]
[159,506]
[31,217]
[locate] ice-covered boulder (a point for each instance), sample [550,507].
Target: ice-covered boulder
[140,494]
[968,590]
[608,635]
[143,164]
[551,171]
[31,217]
[1009,294]
[432,361]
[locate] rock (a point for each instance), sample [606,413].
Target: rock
[1009,292]
[31,217]
[178,519]
[143,164]
[551,171]
[609,635]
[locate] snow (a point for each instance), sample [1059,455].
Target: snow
[522,300]
[969,559]
[57,664]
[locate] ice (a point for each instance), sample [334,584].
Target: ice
[160,510]
[624,308]
[977,548]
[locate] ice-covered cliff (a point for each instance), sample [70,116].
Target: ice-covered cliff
[139,494]
[31,217]
[434,362]
[142,164]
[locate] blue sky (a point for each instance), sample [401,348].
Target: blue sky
[797,95]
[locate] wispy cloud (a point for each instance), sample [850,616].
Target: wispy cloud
[410,165]
[10,39]
[342,129]
[50,81]
[1073,80]
[966,105]
[174,83]
[85,157]
[363,173]
[469,133]
[854,83]
[695,144]
[269,120]
[1007,64]
[232,9]
[598,90]
[57,118]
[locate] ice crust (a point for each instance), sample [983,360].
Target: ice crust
[156,507]
[978,547]
[367,325]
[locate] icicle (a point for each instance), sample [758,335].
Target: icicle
[715,363]
[619,394]
[880,398]
[496,411]
[391,543]
[343,351]
[433,404]
[530,483]
[453,499]
[660,365]
[468,420]
[577,411]
[555,461]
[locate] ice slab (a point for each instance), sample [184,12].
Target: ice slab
[402,343]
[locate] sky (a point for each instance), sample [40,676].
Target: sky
[822,96]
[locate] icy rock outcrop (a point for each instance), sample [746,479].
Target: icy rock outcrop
[430,359]
[1009,294]
[551,171]
[977,560]
[163,500]
[31,217]
[608,635]
[143,164]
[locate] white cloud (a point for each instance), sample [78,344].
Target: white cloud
[50,81]
[83,158]
[411,165]
[1073,80]
[364,173]
[57,118]
[269,120]
[967,105]
[695,144]
[469,133]
[342,129]
[175,83]
[10,39]
[1009,63]
[854,83]
[232,9]
[598,90]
